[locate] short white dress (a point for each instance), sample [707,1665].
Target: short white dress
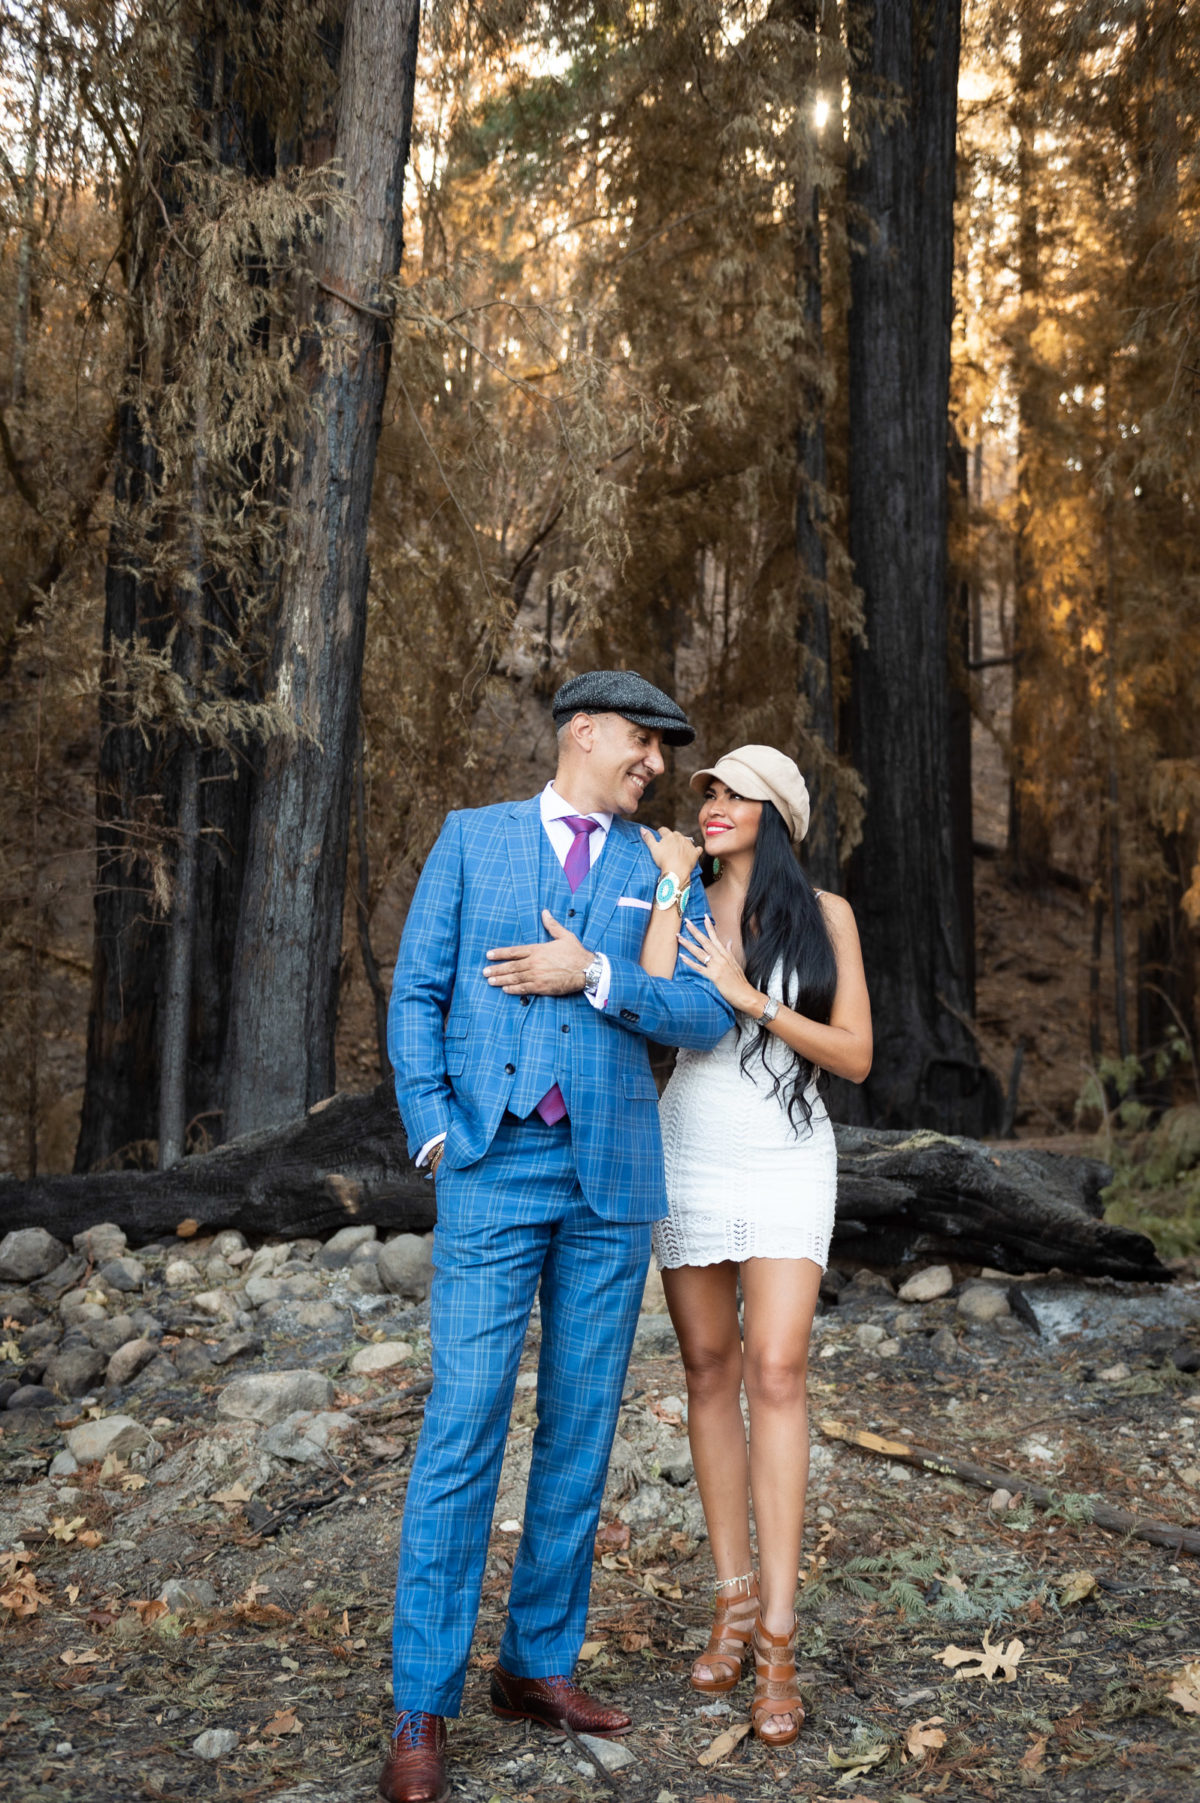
[742,1182]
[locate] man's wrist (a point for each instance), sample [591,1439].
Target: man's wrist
[593,971]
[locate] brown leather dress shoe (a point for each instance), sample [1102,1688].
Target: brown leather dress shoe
[553,1702]
[415,1769]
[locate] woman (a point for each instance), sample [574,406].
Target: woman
[751,1179]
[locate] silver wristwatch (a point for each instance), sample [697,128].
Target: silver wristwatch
[769,1012]
[593,974]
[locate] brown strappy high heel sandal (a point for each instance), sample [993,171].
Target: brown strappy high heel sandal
[729,1642]
[775,1689]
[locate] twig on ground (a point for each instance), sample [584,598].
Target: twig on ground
[1117,1521]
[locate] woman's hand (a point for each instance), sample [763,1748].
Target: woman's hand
[704,952]
[672,852]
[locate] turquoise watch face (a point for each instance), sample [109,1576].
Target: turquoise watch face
[668,889]
[683,898]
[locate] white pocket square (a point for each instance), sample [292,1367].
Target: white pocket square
[634,901]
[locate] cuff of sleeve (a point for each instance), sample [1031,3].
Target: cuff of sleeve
[427,1148]
[599,997]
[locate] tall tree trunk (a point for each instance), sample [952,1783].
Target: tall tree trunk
[141,779]
[903,881]
[284,1013]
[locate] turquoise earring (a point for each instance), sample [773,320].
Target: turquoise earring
[716,866]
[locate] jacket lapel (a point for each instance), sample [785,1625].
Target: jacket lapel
[611,876]
[522,842]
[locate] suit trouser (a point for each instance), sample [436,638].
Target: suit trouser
[508,1227]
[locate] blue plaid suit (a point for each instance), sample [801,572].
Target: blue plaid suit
[525,1212]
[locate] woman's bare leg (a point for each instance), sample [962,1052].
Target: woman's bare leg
[781,1298]
[702,1300]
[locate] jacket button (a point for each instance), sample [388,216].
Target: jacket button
[570,913]
[565,1027]
[510,1070]
[525,1000]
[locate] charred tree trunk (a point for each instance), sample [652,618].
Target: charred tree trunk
[142,781]
[285,989]
[899,1195]
[903,876]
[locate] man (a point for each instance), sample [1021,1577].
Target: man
[517,1031]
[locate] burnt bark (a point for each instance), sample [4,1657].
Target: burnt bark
[288,951]
[900,1195]
[903,880]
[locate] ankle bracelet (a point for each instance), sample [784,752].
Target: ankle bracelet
[746,1578]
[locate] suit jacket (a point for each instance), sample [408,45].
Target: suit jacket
[462,1051]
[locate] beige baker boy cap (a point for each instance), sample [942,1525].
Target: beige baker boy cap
[761,773]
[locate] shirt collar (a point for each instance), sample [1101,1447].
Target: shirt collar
[555,808]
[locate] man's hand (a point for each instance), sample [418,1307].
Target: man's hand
[555,968]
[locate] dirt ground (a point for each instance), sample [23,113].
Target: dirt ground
[103,1694]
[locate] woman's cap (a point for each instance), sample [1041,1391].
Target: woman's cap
[761,773]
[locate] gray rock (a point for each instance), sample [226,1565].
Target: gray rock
[908,1321]
[320,1314]
[179,1273]
[678,1471]
[260,1290]
[158,1372]
[63,1464]
[32,1396]
[654,1333]
[18,1307]
[337,1251]
[406,1266]
[927,1285]
[192,1359]
[8,1387]
[108,1334]
[612,1755]
[271,1396]
[127,1361]
[982,1303]
[78,1310]
[125,1274]
[363,1278]
[100,1243]
[75,1372]
[40,1337]
[944,1343]
[215,1743]
[304,1439]
[116,1434]
[266,1261]
[187,1593]
[235,1346]
[28,1253]
[216,1303]
[645,1509]
[218,1271]
[305,1286]
[869,1337]
[380,1357]
[866,1283]
[227,1241]
[64,1276]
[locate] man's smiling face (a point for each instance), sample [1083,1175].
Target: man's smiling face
[623,760]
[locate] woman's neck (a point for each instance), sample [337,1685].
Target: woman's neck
[735,874]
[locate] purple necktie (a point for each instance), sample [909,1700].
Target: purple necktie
[578,862]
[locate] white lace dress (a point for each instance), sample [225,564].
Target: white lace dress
[741,1181]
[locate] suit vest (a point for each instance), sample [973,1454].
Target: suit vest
[544,1056]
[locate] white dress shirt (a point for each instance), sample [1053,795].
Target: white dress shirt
[554,813]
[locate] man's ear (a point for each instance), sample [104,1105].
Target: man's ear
[583,732]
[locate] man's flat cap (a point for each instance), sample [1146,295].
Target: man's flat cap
[626,693]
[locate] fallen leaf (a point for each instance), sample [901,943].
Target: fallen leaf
[230,1499]
[613,1536]
[188,1229]
[91,1537]
[1075,1586]
[1186,1687]
[861,1761]
[633,1643]
[1034,1755]
[67,1530]
[720,1796]
[656,1586]
[282,1722]
[724,1743]
[112,1467]
[590,1648]
[923,1736]
[134,1481]
[10,1350]
[992,1660]
[148,1610]
[952,1581]
[72,1593]
[1055,1678]
[71,1657]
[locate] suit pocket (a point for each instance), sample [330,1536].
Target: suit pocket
[639,1086]
[456,1059]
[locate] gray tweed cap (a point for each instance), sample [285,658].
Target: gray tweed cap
[626,693]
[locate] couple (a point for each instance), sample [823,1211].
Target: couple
[547,941]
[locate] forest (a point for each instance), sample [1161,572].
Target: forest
[833,365]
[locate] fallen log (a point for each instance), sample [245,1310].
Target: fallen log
[900,1195]
[1104,1515]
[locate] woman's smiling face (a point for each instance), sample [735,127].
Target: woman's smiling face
[728,822]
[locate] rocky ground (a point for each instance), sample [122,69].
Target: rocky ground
[204,1447]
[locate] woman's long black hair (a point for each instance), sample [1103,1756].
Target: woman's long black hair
[782,922]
